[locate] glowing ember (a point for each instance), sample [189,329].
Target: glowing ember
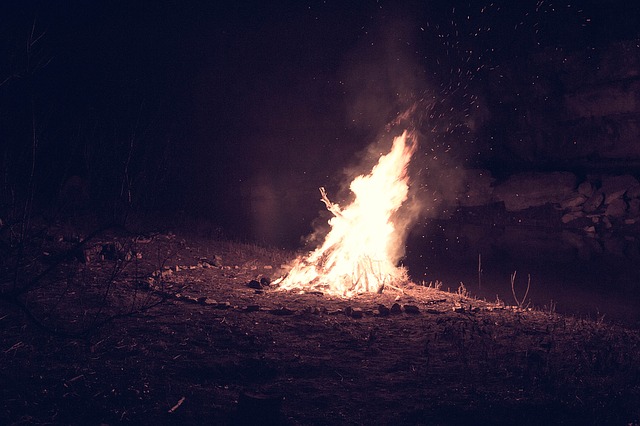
[360,252]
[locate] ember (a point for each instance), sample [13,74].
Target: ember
[361,250]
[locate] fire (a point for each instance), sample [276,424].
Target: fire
[363,246]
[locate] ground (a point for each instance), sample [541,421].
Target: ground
[181,328]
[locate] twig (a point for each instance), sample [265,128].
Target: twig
[178,404]
[479,270]
[395,288]
[333,208]
[513,290]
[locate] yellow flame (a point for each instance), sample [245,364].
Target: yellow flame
[360,252]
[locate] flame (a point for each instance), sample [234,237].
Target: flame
[360,252]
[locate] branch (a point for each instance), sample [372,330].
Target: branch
[333,208]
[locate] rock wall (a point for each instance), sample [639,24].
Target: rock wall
[569,107]
[595,203]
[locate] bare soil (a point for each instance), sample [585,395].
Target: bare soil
[167,328]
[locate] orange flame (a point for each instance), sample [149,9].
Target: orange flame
[360,252]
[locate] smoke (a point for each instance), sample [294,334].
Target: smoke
[382,82]
[380,76]
[388,90]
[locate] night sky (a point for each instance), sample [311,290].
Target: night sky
[201,105]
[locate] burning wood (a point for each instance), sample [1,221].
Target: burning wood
[363,246]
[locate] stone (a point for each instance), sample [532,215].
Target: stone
[254,284]
[356,313]
[223,305]
[411,309]
[282,311]
[633,192]
[617,208]
[614,187]
[477,188]
[571,216]
[383,311]
[396,309]
[634,207]
[586,189]
[524,190]
[573,201]
[593,203]
[265,281]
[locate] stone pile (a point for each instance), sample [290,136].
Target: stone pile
[597,202]
[603,202]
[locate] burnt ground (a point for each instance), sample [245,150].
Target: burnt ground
[169,328]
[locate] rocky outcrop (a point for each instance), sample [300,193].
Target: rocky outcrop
[524,190]
[614,199]
[477,188]
[596,202]
[572,106]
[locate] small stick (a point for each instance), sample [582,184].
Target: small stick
[513,291]
[395,288]
[479,270]
[178,404]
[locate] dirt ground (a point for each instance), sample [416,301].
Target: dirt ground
[177,328]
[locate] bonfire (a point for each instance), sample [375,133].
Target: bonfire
[364,244]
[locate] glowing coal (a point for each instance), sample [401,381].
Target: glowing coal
[361,250]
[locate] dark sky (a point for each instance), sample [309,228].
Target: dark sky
[218,96]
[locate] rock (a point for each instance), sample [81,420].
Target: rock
[478,188]
[265,281]
[617,208]
[411,309]
[354,312]
[633,192]
[396,309]
[575,200]
[571,216]
[254,284]
[524,190]
[634,207]
[614,187]
[208,263]
[593,203]
[112,251]
[281,311]
[586,189]
[382,310]
[222,305]
[458,309]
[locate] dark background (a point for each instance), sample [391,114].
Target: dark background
[236,112]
